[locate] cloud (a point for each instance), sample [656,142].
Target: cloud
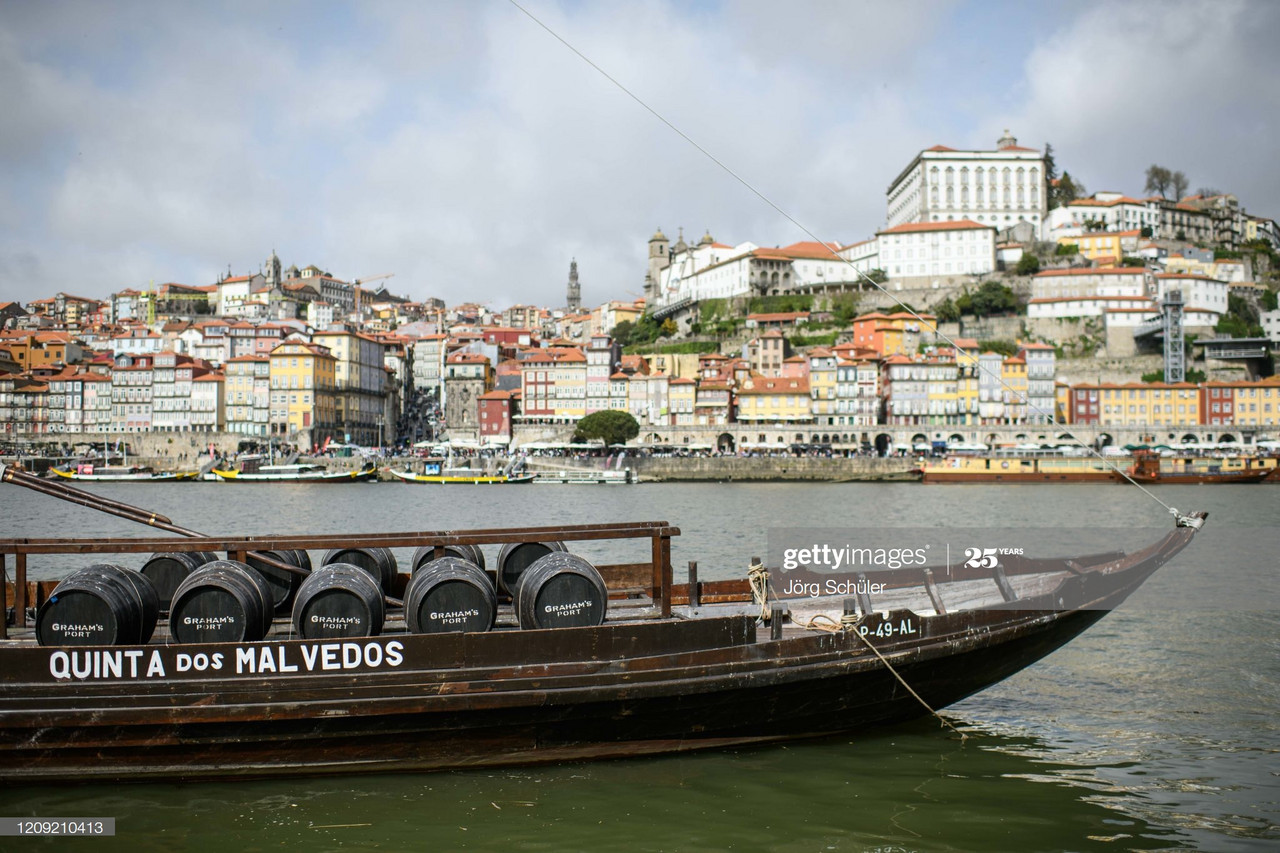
[1191,86]
[463,148]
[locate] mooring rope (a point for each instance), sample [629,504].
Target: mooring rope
[758,577]
[1052,420]
[849,624]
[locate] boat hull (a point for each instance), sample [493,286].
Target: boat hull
[166,477]
[450,480]
[431,702]
[361,476]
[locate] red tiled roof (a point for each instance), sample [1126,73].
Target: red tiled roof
[952,225]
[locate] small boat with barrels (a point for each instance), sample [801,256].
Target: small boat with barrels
[1149,467]
[251,470]
[274,655]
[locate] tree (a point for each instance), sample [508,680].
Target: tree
[669,327]
[611,426]
[1269,301]
[622,332]
[1208,192]
[946,311]
[1069,189]
[993,298]
[1028,264]
[1178,183]
[1158,179]
[1050,174]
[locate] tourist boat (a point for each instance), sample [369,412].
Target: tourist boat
[1150,467]
[251,470]
[435,472]
[1018,469]
[569,477]
[672,667]
[121,474]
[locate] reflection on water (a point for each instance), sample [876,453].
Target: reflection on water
[1153,730]
[904,788]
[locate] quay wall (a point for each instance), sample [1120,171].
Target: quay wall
[724,469]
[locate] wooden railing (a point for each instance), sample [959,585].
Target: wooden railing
[651,579]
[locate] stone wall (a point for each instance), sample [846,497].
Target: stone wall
[722,469]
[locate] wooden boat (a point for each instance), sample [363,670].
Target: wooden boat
[462,477]
[1149,467]
[435,472]
[1018,469]
[673,667]
[608,478]
[254,472]
[122,474]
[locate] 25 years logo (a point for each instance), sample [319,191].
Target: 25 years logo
[987,558]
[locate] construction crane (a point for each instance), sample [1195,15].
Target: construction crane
[365,279]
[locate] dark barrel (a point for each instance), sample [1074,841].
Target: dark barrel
[221,602]
[427,553]
[561,591]
[167,570]
[338,600]
[378,562]
[284,583]
[450,594]
[515,557]
[100,605]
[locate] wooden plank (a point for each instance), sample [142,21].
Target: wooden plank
[20,590]
[625,575]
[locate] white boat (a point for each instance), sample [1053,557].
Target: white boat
[251,470]
[121,474]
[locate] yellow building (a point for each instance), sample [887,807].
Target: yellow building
[1147,404]
[768,399]
[1013,375]
[1256,403]
[681,399]
[303,391]
[822,385]
[1100,245]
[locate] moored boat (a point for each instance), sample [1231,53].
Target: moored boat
[251,471]
[435,472]
[89,472]
[1150,467]
[1018,469]
[671,667]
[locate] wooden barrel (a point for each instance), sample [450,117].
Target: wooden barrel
[100,605]
[450,594]
[221,602]
[515,557]
[168,569]
[561,591]
[338,600]
[427,553]
[380,563]
[284,583]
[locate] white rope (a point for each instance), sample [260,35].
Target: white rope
[1052,420]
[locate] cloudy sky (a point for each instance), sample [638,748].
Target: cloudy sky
[461,147]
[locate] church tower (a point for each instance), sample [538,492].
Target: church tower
[659,259]
[574,295]
[273,270]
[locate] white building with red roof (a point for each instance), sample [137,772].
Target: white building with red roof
[937,249]
[997,188]
[712,270]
